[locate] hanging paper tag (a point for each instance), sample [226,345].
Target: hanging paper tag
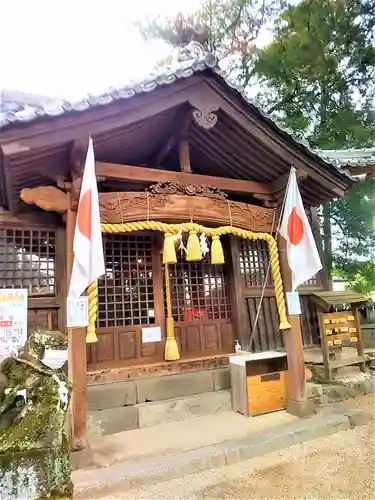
[294,305]
[55,358]
[77,312]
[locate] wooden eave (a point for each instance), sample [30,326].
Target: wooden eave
[328,299]
[242,145]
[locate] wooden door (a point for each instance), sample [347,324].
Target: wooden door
[130,298]
[201,308]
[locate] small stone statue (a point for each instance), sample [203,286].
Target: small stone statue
[34,399]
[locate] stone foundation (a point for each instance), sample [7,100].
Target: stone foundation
[36,475]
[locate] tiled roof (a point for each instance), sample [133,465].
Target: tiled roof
[22,107]
[349,157]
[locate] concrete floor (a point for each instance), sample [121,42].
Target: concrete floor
[340,466]
[174,437]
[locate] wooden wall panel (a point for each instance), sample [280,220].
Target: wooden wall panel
[44,319]
[210,337]
[192,339]
[227,337]
[105,349]
[267,335]
[309,321]
[127,344]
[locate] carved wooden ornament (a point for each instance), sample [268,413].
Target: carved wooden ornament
[48,198]
[129,207]
[204,112]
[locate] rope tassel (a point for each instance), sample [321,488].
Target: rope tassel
[92,294]
[171,352]
[217,253]
[169,250]
[194,251]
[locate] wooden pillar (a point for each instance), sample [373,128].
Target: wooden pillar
[297,403]
[315,227]
[76,354]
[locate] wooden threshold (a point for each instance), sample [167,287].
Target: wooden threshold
[187,365]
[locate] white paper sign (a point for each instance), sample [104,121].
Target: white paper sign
[13,320]
[294,305]
[151,334]
[77,312]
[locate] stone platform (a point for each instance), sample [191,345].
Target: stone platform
[147,456]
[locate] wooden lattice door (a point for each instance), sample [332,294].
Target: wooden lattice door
[201,308]
[130,298]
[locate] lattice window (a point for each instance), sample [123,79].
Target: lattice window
[254,259]
[126,295]
[27,260]
[199,290]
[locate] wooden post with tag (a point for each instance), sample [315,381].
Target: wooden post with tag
[297,402]
[76,353]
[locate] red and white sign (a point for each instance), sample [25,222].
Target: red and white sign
[13,320]
[303,255]
[88,264]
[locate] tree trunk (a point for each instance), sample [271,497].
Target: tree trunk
[327,241]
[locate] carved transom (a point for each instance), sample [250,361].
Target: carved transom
[169,187]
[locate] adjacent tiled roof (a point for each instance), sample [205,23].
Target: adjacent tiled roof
[349,157]
[22,107]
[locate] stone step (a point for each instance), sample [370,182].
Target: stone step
[138,416]
[126,393]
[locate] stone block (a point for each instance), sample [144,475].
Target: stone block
[221,379]
[358,417]
[183,408]
[174,386]
[111,395]
[368,335]
[296,433]
[114,420]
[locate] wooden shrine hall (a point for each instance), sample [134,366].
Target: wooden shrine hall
[180,147]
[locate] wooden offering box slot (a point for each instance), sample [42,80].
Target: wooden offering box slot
[258,382]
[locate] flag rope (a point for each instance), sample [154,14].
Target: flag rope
[269,264]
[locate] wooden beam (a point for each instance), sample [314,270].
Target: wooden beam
[184,154]
[281,183]
[179,126]
[78,154]
[149,175]
[274,141]
[368,170]
[34,220]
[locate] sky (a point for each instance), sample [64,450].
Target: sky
[72,47]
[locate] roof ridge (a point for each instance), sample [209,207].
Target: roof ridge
[191,59]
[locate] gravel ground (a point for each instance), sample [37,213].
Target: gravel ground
[341,466]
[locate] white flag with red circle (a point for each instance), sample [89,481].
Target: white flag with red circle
[303,255]
[88,264]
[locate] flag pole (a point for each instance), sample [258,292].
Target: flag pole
[76,352]
[297,404]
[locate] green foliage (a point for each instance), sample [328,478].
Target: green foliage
[320,70]
[228,28]
[317,76]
